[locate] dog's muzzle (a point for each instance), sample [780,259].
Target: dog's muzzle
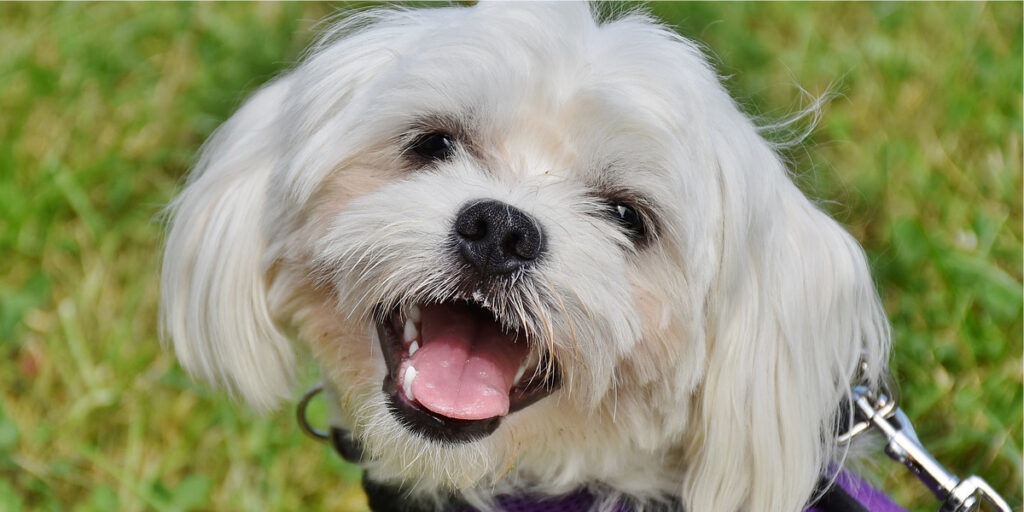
[456,367]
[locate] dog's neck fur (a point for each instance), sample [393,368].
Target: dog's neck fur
[844,493]
[383,497]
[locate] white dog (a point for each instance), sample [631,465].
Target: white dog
[532,251]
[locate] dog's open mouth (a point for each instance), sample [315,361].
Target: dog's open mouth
[454,372]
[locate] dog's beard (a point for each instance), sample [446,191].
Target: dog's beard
[389,253]
[395,270]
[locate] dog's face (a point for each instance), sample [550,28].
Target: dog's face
[528,249]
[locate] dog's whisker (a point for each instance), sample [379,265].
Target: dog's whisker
[570,322]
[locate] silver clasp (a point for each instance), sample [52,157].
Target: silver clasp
[878,410]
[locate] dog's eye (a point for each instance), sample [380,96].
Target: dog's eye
[630,219]
[433,146]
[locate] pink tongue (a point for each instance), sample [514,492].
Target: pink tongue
[466,366]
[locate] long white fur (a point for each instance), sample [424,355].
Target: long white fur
[706,366]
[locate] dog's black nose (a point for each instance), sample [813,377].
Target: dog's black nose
[497,238]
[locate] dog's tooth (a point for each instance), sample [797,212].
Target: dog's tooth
[415,314]
[519,374]
[411,332]
[530,363]
[410,375]
[532,360]
[413,348]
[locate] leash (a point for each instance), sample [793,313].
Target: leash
[876,410]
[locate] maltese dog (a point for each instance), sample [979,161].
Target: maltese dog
[532,250]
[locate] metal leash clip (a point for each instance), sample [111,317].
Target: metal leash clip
[878,410]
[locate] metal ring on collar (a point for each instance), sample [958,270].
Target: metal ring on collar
[300,412]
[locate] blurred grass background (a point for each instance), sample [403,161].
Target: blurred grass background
[102,107]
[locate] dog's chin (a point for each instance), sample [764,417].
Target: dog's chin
[454,371]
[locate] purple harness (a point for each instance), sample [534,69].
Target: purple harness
[856,492]
[849,494]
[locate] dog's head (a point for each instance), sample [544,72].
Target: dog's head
[527,249]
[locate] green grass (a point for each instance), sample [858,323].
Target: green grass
[104,105]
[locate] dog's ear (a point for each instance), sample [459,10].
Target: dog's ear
[214,290]
[792,315]
[245,200]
